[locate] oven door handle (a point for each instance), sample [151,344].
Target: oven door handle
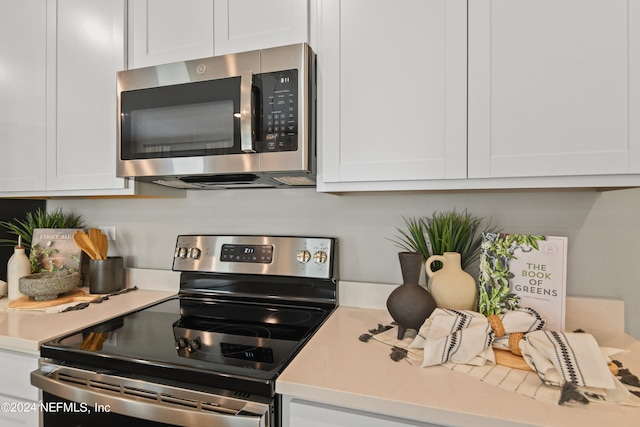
[247,137]
[141,407]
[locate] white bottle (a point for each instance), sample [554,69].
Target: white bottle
[17,267]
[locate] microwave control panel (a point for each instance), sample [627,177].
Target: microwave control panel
[279,103]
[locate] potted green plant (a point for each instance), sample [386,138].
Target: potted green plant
[449,231]
[38,219]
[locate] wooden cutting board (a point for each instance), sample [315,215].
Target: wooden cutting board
[510,360]
[77,295]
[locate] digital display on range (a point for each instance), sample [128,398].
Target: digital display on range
[261,254]
[247,352]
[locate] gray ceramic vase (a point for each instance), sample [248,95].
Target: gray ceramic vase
[410,304]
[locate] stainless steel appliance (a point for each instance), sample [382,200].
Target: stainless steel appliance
[210,355]
[241,120]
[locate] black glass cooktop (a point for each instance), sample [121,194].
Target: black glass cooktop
[225,344]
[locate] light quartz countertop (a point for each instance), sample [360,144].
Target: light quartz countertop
[24,330]
[335,368]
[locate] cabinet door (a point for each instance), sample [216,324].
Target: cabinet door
[554,88]
[392,90]
[16,371]
[28,416]
[242,25]
[301,413]
[164,31]
[86,48]
[16,390]
[22,95]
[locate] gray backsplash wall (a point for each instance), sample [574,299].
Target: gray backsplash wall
[603,228]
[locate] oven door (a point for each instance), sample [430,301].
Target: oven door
[79,397]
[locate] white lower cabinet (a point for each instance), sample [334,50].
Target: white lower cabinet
[20,400]
[303,413]
[19,413]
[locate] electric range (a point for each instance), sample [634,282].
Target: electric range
[246,306]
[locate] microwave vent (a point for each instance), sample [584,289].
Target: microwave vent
[295,181]
[235,181]
[240,178]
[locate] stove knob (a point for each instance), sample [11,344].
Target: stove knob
[182,253]
[303,256]
[195,253]
[194,345]
[320,257]
[181,343]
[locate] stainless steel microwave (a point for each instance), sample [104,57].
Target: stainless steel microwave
[245,120]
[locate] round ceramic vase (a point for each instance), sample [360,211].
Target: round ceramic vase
[410,304]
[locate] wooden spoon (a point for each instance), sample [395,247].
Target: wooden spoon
[84,242]
[100,243]
[104,246]
[93,235]
[87,341]
[98,340]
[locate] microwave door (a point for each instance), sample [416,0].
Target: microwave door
[191,128]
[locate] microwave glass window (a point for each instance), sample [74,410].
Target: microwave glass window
[185,120]
[183,128]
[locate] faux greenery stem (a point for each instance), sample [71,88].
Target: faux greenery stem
[413,238]
[38,219]
[450,231]
[498,250]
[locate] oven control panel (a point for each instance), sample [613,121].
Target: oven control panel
[313,257]
[262,254]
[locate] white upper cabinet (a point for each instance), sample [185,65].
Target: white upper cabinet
[22,95]
[544,93]
[554,88]
[391,92]
[58,103]
[164,31]
[553,94]
[86,48]
[242,25]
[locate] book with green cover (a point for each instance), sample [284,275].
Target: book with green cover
[524,270]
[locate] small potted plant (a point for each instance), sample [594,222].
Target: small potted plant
[453,238]
[449,231]
[38,219]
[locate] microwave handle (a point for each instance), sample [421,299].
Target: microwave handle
[246,113]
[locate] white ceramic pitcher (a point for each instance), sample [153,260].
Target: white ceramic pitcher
[451,286]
